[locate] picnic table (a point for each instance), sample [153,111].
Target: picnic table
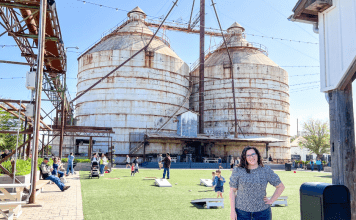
[207,160]
[11,201]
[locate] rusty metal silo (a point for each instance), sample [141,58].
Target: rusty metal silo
[141,95]
[261,89]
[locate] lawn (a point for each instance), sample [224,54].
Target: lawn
[136,198]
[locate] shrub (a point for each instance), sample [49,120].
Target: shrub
[82,160]
[64,160]
[23,167]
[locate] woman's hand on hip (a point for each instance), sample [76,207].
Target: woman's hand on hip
[267,201]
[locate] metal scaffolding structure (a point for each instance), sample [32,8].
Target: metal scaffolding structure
[35,24]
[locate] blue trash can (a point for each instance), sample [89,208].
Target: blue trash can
[324,201]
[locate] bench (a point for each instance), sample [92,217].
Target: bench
[282,200]
[40,184]
[11,201]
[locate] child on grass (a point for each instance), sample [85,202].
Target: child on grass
[136,168]
[219,184]
[133,169]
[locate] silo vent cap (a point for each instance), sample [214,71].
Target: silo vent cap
[137,9]
[236,25]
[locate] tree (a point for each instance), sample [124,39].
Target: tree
[317,137]
[9,122]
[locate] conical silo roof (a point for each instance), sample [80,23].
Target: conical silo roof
[236,25]
[132,35]
[242,51]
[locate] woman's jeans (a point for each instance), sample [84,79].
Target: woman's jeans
[319,167]
[312,167]
[262,215]
[70,166]
[102,166]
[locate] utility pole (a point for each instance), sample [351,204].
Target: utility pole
[39,74]
[201,67]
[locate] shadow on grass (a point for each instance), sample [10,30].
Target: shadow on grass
[327,176]
[194,205]
[208,190]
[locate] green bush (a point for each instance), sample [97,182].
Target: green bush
[23,167]
[82,160]
[64,160]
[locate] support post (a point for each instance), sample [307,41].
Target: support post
[40,61]
[43,145]
[111,153]
[201,67]
[28,145]
[342,141]
[90,146]
[24,140]
[47,143]
[267,147]
[61,135]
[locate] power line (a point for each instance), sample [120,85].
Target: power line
[277,38]
[305,83]
[117,9]
[305,89]
[306,74]
[299,66]
[287,18]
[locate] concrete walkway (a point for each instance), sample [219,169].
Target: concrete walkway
[56,204]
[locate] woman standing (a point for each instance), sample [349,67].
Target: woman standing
[103,163]
[232,163]
[250,180]
[70,164]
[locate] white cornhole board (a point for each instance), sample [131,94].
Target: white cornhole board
[206,182]
[210,202]
[162,183]
[282,200]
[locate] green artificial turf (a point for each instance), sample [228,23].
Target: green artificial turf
[136,198]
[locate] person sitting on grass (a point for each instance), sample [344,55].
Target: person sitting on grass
[133,169]
[218,184]
[46,170]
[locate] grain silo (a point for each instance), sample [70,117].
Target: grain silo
[261,90]
[141,95]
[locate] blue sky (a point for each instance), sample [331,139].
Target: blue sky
[82,24]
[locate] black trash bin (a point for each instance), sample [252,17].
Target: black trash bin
[324,201]
[288,167]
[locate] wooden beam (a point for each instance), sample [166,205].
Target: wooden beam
[342,141]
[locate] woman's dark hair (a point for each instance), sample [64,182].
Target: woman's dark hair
[244,163]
